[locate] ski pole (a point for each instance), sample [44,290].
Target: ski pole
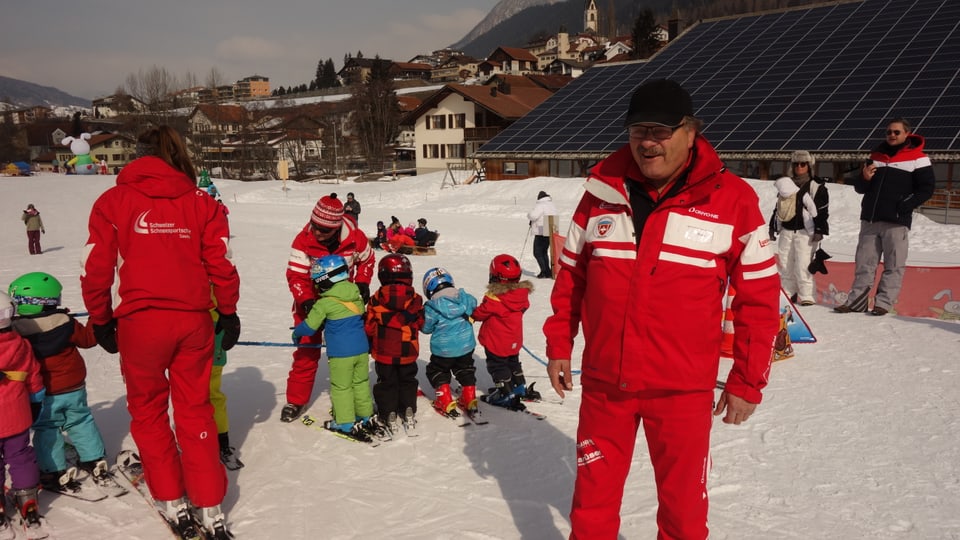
[276,344]
[538,359]
[525,238]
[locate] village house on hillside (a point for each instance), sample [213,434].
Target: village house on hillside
[228,127]
[453,123]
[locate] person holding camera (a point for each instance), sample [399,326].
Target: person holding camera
[896,180]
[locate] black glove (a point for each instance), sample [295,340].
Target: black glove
[106,335]
[35,409]
[364,292]
[230,326]
[816,238]
[307,305]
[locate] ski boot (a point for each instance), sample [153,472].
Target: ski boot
[468,399]
[444,402]
[177,512]
[378,428]
[61,481]
[409,422]
[355,430]
[290,412]
[31,521]
[99,471]
[504,395]
[214,522]
[393,423]
[531,394]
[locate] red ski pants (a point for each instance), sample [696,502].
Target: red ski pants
[166,358]
[303,373]
[677,428]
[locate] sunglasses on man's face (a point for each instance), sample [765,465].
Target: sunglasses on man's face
[893,132]
[321,230]
[800,164]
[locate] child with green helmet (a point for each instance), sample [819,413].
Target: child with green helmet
[55,335]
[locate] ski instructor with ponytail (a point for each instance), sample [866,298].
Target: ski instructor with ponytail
[166,242]
[661,230]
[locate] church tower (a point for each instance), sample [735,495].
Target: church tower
[590,16]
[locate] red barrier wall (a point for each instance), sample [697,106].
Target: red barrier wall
[927,290]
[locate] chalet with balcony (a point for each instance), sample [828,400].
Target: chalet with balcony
[454,122]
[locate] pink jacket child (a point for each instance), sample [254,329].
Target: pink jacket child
[21,394]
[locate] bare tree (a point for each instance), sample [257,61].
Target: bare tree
[153,87]
[214,81]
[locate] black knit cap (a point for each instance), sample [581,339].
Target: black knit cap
[659,102]
[542,195]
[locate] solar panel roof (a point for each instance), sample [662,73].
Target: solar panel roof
[824,79]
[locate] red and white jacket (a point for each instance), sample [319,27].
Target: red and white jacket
[354,246]
[167,240]
[651,314]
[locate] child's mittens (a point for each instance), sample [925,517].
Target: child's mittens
[302,330]
[36,404]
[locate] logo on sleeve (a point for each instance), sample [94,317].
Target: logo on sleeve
[604,227]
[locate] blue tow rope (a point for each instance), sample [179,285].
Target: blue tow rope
[276,344]
[538,359]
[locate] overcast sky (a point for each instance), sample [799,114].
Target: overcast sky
[87,49]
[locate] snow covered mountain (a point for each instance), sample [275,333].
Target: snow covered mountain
[24,94]
[500,12]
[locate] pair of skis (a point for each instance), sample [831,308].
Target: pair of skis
[130,469]
[319,425]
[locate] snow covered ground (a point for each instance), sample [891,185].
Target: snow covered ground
[856,437]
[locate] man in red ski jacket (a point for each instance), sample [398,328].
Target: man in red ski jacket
[327,233]
[660,232]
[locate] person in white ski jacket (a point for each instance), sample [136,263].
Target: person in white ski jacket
[541,240]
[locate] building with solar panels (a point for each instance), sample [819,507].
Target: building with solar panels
[824,79]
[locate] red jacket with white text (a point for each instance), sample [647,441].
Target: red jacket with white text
[167,240]
[354,246]
[651,314]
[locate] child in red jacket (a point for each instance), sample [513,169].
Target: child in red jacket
[393,323]
[501,332]
[21,396]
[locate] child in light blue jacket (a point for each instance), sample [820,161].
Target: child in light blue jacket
[447,320]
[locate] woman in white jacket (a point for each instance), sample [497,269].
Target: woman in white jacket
[541,240]
[800,218]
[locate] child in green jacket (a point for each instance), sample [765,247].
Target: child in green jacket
[339,311]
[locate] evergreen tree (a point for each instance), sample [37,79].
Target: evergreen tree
[376,114]
[329,75]
[318,78]
[644,35]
